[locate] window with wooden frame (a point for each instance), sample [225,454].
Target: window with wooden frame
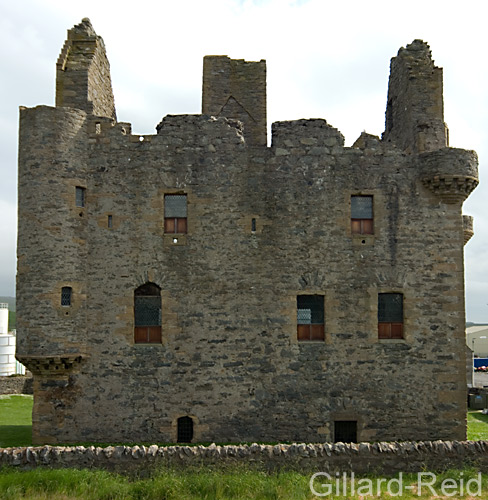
[147,314]
[390,316]
[175,213]
[310,317]
[80,194]
[362,215]
[66,294]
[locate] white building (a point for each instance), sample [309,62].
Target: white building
[477,340]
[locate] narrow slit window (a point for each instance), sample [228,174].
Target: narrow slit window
[66,293]
[147,314]
[185,430]
[362,215]
[310,317]
[109,221]
[390,315]
[175,214]
[253,225]
[80,196]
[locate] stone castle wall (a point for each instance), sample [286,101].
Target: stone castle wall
[265,224]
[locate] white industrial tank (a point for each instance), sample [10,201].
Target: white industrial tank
[7,354]
[8,364]
[3,318]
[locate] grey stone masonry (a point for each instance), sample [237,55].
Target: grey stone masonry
[340,458]
[229,354]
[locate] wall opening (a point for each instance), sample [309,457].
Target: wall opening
[185,430]
[345,431]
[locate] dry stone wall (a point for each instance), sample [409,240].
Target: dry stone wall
[360,458]
[16,385]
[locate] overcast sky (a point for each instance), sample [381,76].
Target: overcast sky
[325,59]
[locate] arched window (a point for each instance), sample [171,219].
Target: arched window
[147,314]
[185,430]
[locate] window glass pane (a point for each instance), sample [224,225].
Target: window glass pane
[361,207]
[80,196]
[304,316]
[310,309]
[66,296]
[390,308]
[147,310]
[175,205]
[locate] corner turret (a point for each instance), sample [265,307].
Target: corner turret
[415,107]
[83,73]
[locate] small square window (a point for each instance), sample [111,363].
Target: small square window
[80,196]
[310,317]
[362,215]
[390,315]
[66,293]
[175,214]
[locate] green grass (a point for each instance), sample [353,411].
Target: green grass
[198,484]
[477,426]
[15,420]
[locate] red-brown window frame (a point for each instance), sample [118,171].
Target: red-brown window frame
[313,331]
[390,330]
[147,333]
[175,225]
[390,325]
[362,225]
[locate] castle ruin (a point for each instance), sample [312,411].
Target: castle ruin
[197,285]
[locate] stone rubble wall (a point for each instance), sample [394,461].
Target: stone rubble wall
[16,385]
[379,458]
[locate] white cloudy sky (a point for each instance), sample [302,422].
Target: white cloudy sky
[325,59]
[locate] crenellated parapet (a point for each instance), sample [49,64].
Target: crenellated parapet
[313,136]
[449,173]
[197,129]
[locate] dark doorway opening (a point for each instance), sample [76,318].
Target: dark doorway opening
[185,430]
[345,431]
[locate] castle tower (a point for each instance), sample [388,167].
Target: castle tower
[83,73]
[236,89]
[415,107]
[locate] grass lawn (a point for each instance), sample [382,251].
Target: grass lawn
[15,420]
[237,484]
[477,426]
